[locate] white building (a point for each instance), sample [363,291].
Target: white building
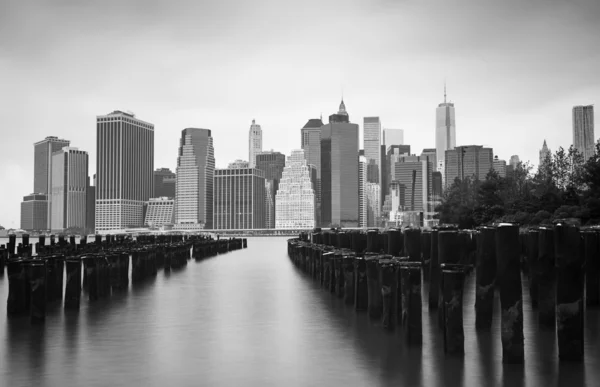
[445,133]
[69,185]
[362,196]
[254,143]
[159,211]
[295,199]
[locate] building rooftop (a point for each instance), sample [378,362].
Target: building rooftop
[313,123]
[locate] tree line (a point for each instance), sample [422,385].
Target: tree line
[564,186]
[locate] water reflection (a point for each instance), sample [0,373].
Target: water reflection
[251,318]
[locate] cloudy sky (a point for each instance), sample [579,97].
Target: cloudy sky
[514,69]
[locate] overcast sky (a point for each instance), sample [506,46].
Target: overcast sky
[514,70]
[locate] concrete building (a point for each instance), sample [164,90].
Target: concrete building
[295,199]
[472,161]
[372,148]
[34,212]
[544,153]
[445,131]
[194,182]
[393,137]
[125,165]
[339,171]
[164,183]
[42,168]
[311,144]
[373,195]
[415,174]
[254,143]
[90,207]
[431,155]
[159,211]
[239,199]
[583,130]
[499,166]
[362,196]
[394,153]
[69,189]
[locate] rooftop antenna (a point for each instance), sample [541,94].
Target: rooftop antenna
[444,91]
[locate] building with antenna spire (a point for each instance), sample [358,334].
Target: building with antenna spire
[254,143]
[445,132]
[544,153]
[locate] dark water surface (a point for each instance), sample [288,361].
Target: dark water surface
[250,318]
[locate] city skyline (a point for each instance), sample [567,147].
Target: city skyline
[500,86]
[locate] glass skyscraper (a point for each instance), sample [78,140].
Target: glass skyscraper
[445,131]
[69,189]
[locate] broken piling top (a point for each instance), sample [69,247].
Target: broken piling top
[567,243]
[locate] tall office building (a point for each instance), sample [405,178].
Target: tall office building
[125,165]
[272,164]
[339,171]
[372,146]
[514,161]
[34,212]
[415,174]
[472,161]
[445,131]
[393,137]
[194,181]
[295,200]
[254,143]
[394,153]
[239,199]
[42,169]
[373,194]
[362,196]
[499,166]
[431,155]
[90,207]
[164,183]
[544,153]
[311,144]
[583,130]
[69,189]
[270,203]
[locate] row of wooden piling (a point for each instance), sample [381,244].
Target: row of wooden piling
[98,268]
[381,272]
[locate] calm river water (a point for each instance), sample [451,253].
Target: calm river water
[250,318]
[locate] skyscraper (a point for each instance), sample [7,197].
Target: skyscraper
[238,164]
[42,170]
[544,153]
[339,171]
[34,212]
[295,200]
[373,195]
[583,130]
[272,164]
[362,196]
[311,144]
[514,161]
[239,199]
[125,164]
[414,173]
[254,143]
[90,207]
[372,146]
[445,132]
[164,183]
[194,181]
[499,166]
[472,161]
[393,137]
[269,203]
[69,189]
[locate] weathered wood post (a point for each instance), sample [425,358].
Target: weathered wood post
[412,244]
[73,283]
[448,253]
[454,335]
[547,278]
[327,256]
[426,252]
[394,242]
[338,274]
[434,271]
[410,275]
[349,280]
[11,245]
[91,274]
[511,294]
[592,267]
[37,282]
[388,278]
[485,277]
[16,304]
[361,299]
[373,241]
[569,292]
[374,287]
[532,261]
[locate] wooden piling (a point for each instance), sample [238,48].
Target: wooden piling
[454,336]
[411,302]
[532,262]
[547,278]
[434,272]
[485,277]
[17,303]
[373,241]
[37,283]
[349,280]
[361,299]
[592,267]
[73,283]
[394,242]
[388,279]
[412,244]
[375,303]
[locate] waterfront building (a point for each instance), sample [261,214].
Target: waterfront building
[393,137]
[164,183]
[254,143]
[372,148]
[239,164]
[295,199]
[362,196]
[194,180]
[472,161]
[445,132]
[42,168]
[159,211]
[544,153]
[272,164]
[499,166]
[69,189]
[90,206]
[125,165]
[239,199]
[339,171]
[34,212]
[583,130]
